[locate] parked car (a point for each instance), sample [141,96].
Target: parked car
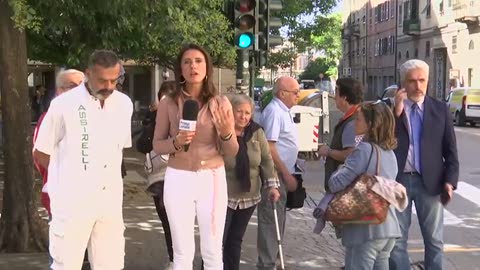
[464,104]
[388,94]
[307,84]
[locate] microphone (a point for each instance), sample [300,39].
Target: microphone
[189,118]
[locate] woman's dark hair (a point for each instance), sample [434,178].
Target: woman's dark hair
[208,89]
[166,88]
[381,124]
[351,89]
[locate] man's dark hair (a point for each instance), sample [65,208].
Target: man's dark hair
[351,89]
[103,58]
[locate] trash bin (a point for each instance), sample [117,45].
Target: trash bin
[307,120]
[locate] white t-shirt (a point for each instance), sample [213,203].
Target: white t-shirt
[279,127]
[85,143]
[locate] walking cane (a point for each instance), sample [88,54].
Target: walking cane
[277,228]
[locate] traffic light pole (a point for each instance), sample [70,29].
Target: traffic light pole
[243,75]
[252,74]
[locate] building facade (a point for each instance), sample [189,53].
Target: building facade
[442,33]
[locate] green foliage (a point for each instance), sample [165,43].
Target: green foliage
[283,58]
[329,42]
[319,65]
[304,18]
[143,30]
[327,37]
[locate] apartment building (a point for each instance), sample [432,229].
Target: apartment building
[441,32]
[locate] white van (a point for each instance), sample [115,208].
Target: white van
[464,104]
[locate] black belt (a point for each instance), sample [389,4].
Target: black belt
[411,173]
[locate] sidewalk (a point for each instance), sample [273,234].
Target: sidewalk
[145,244]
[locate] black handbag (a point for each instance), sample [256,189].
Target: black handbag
[295,199]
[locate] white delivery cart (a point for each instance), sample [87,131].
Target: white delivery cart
[307,120]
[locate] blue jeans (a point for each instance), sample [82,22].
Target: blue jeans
[370,255]
[430,217]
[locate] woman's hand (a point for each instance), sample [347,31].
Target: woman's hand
[273,194]
[184,137]
[223,121]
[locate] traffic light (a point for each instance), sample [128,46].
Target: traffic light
[244,24]
[265,23]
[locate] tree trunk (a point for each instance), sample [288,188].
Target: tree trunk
[21,229]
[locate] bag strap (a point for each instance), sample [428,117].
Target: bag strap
[377,153]
[378,160]
[370,158]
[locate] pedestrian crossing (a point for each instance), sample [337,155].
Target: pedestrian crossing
[468,192]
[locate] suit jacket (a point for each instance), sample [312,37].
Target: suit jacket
[439,156]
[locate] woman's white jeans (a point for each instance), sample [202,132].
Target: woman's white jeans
[203,193]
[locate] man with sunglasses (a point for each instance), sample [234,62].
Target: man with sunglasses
[348,95]
[282,137]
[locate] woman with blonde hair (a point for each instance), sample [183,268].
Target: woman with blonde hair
[243,178]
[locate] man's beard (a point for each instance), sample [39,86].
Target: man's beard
[103,94]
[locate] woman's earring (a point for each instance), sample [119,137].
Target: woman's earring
[182,81]
[206,78]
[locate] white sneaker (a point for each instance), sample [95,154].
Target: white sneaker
[169,266]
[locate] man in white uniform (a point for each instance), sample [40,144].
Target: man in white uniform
[80,142]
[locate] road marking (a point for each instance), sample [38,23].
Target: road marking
[448,250]
[467,131]
[449,219]
[468,192]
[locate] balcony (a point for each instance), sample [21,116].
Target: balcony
[351,30]
[355,30]
[411,27]
[467,11]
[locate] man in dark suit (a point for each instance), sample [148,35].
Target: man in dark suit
[427,163]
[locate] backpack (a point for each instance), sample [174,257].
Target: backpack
[145,141]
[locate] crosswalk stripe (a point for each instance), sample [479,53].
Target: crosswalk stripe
[468,192]
[448,217]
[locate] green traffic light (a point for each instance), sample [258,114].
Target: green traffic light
[244,40]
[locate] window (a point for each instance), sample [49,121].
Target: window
[415,53]
[376,14]
[406,10]
[387,10]
[407,55]
[364,19]
[363,51]
[441,8]
[385,46]
[392,5]
[471,45]
[429,8]
[454,44]
[427,49]
[449,3]
[400,15]
[377,46]
[399,55]
[392,44]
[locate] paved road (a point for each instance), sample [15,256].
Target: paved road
[462,215]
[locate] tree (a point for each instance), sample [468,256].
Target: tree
[142,30]
[304,18]
[283,58]
[20,226]
[329,44]
[314,68]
